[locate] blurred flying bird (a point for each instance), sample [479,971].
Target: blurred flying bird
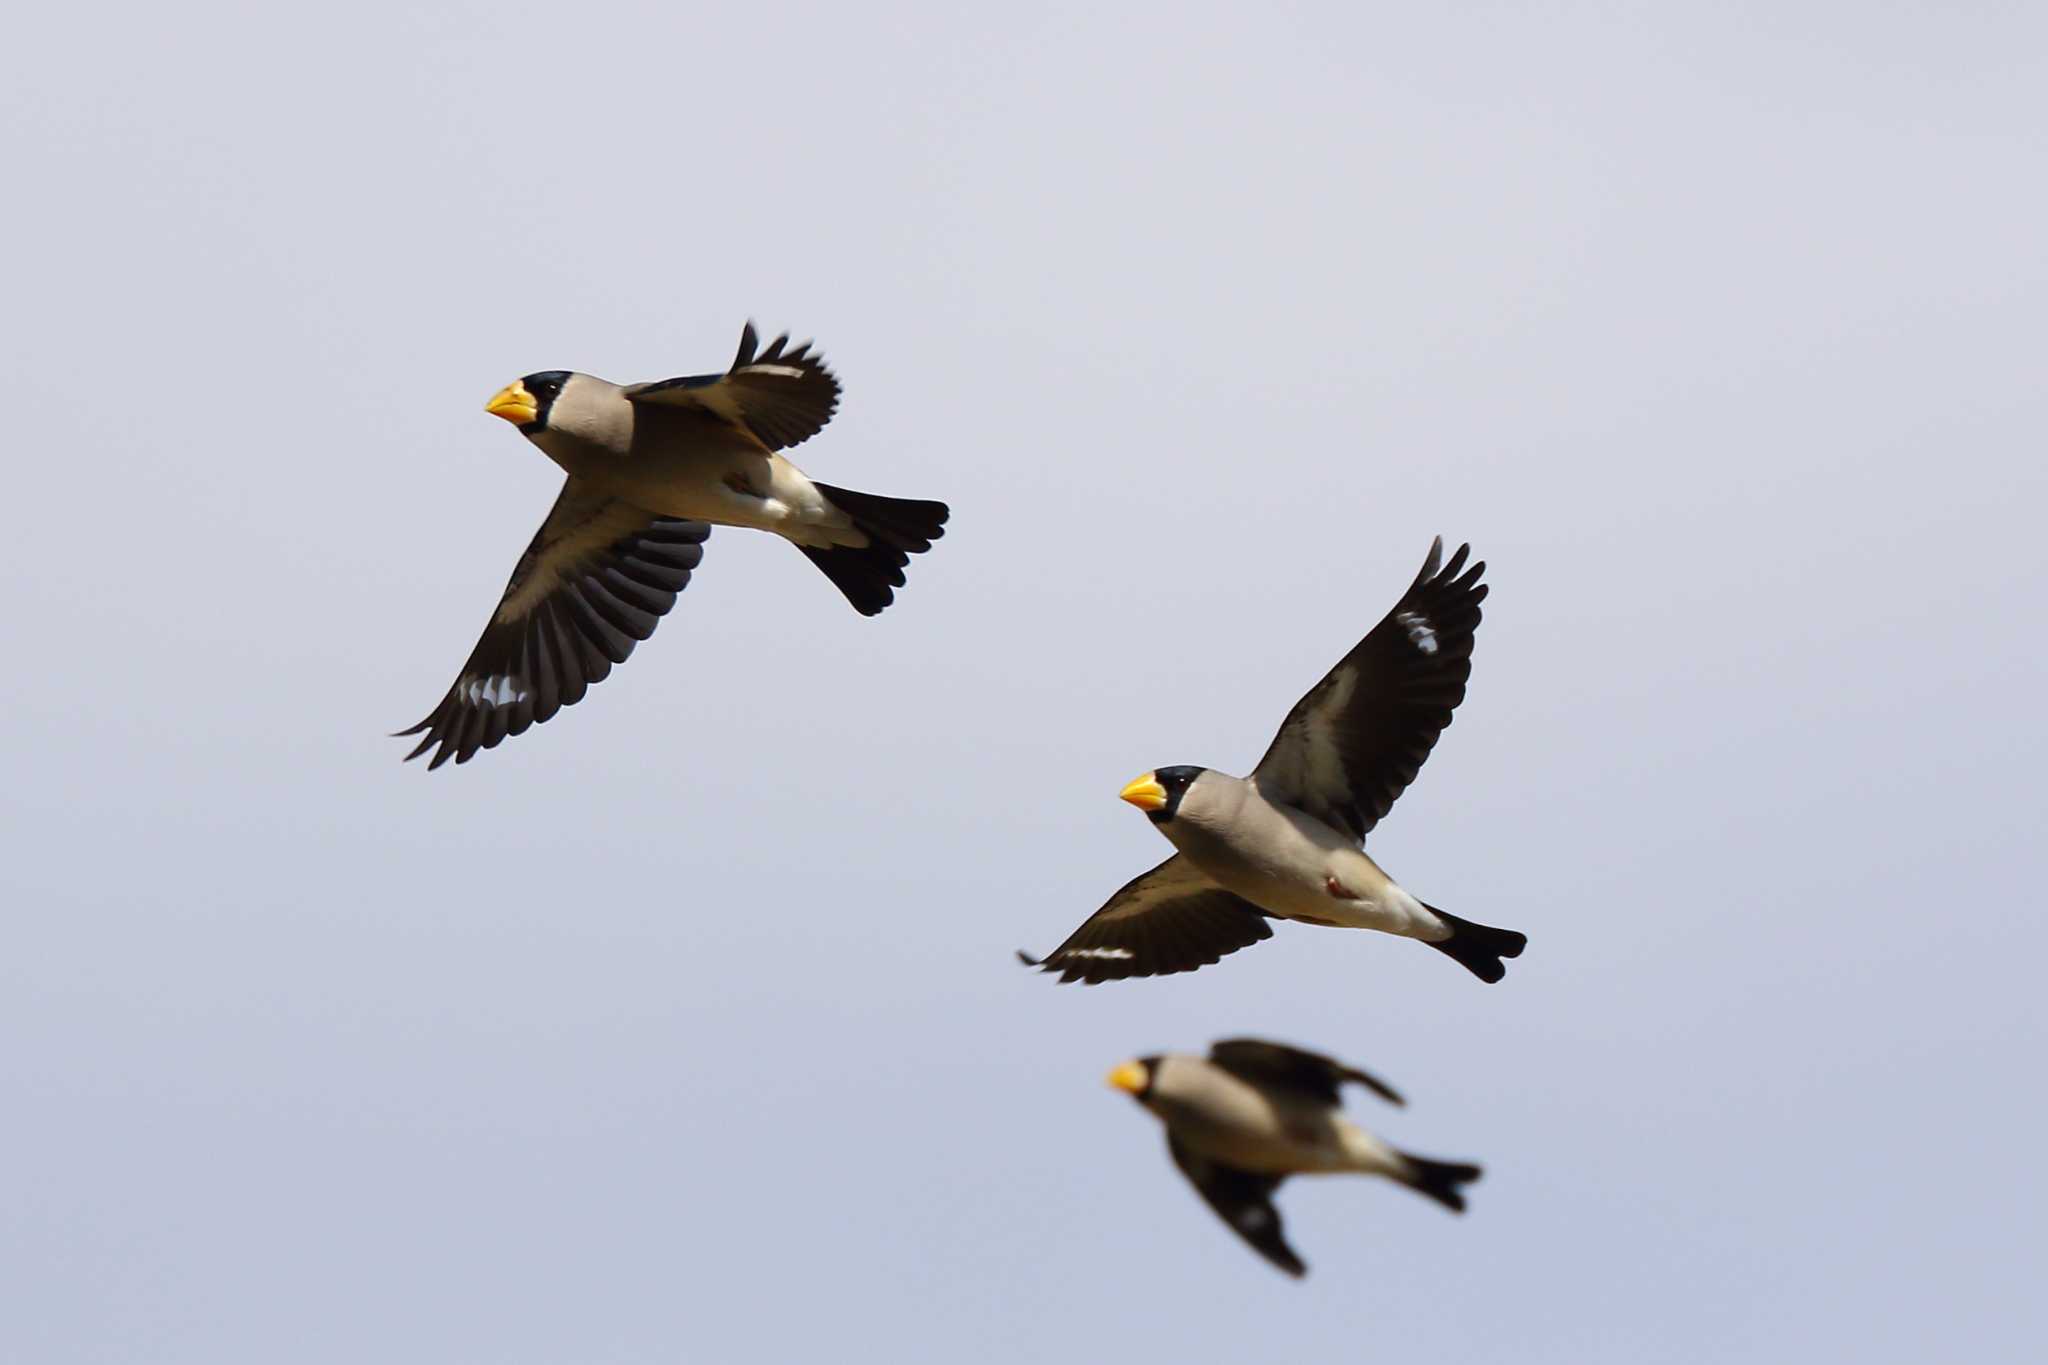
[1254,1113]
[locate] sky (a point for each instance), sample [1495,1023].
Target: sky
[685,1027]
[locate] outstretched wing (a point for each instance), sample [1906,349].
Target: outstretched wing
[783,396]
[1171,919]
[1352,745]
[598,576]
[1276,1066]
[1243,1199]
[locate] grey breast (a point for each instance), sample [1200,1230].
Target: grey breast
[1223,1116]
[1243,839]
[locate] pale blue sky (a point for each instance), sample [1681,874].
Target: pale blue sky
[685,1027]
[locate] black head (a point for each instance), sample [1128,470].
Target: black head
[546,387]
[1158,793]
[525,402]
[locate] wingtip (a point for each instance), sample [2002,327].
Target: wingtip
[1066,974]
[749,339]
[1382,1089]
[1430,562]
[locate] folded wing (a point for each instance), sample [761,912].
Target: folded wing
[783,396]
[1350,747]
[598,576]
[1171,919]
[1276,1066]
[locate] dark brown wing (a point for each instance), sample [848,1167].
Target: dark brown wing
[1172,919]
[1352,745]
[598,576]
[1243,1199]
[783,396]
[1276,1066]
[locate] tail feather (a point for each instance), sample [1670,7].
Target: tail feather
[1478,948]
[1442,1181]
[896,528]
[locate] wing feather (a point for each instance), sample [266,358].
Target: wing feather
[784,395]
[1351,746]
[1243,1200]
[1278,1066]
[1171,919]
[597,578]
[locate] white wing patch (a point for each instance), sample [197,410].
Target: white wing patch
[1113,954]
[779,371]
[1420,633]
[499,689]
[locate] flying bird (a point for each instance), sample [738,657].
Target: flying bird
[1286,842]
[652,467]
[1253,1113]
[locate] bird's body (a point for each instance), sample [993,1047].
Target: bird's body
[1227,1119]
[686,463]
[1242,1120]
[1288,863]
[1287,841]
[651,468]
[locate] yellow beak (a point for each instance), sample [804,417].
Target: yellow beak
[1145,793]
[514,404]
[1129,1078]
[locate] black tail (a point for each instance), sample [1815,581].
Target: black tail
[897,528]
[1442,1181]
[1478,948]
